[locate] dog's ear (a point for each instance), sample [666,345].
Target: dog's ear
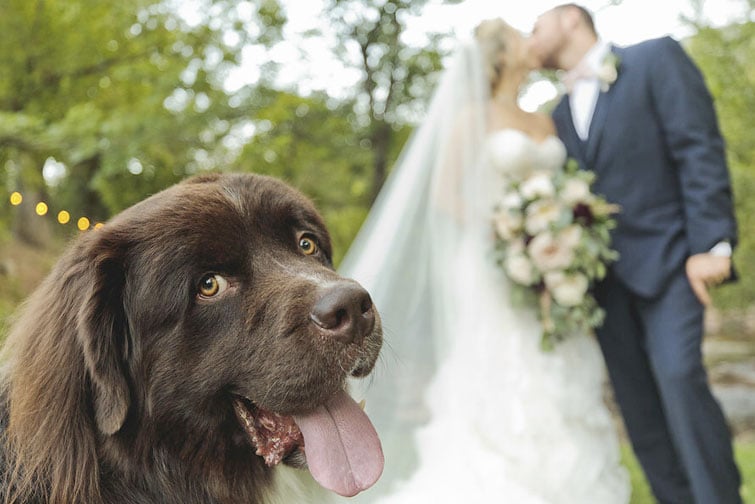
[104,336]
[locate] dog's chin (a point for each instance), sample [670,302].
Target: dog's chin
[362,368]
[296,459]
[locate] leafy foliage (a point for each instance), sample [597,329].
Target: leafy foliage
[108,87]
[314,147]
[396,77]
[725,57]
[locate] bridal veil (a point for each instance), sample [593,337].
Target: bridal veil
[404,253]
[467,405]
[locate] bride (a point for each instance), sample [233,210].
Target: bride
[468,406]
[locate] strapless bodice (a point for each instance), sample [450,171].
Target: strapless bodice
[514,152]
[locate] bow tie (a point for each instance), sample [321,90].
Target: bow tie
[580,72]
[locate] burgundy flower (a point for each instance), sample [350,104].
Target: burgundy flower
[539,287]
[583,214]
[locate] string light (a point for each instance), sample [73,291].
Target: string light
[63,216]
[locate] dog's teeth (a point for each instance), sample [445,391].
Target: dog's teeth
[362,403]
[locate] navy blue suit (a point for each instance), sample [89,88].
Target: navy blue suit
[656,149]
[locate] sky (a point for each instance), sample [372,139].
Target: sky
[629,22]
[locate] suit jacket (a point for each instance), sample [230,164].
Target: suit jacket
[655,146]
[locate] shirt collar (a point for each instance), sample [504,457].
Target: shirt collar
[595,56]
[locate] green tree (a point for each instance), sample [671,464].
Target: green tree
[725,56]
[396,77]
[311,142]
[128,95]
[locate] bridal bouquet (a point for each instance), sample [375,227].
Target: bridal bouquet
[553,236]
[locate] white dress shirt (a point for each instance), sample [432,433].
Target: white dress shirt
[584,94]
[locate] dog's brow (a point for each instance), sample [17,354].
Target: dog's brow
[234,197]
[319,280]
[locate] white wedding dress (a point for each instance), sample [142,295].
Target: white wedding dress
[468,406]
[510,422]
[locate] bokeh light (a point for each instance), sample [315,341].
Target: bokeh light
[63,217]
[83,224]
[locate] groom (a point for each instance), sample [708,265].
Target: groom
[642,119]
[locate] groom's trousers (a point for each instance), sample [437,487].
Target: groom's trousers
[652,349]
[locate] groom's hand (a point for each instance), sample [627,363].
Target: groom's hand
[705,270]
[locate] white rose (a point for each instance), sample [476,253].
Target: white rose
[567,290]
[607,73]
[575,191]
[549,254]
[508,223]
[516,246]
[540,215]
[520,269]
[538,185]
[570,236]
[511,201]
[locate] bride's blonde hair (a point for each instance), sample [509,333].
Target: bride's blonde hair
[491,38]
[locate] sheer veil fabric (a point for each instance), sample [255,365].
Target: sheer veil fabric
[466,404]
[404,253]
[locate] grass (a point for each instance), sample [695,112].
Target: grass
[745,454]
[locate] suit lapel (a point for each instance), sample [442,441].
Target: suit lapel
[565,126]
[599,117]
[597,124]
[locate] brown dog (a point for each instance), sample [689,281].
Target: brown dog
[179,353]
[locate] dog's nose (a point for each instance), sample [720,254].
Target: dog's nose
[344,311]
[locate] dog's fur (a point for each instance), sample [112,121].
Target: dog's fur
[118,378]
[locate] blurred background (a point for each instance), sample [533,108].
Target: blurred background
[104,103]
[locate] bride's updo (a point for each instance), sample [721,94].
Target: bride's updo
[491,38]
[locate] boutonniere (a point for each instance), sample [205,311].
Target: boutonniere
[608,71]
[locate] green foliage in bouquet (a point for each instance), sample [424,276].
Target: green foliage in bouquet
[553,237]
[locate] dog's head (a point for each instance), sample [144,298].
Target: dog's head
[215,317]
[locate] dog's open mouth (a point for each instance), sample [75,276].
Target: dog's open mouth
[274,436]
[340,444]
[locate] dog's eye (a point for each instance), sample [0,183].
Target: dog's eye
[308,245]
[211,285]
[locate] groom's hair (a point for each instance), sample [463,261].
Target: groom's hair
[583,12]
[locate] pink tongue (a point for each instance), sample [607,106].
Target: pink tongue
[342,448]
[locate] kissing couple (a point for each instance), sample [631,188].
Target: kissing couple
[470,408]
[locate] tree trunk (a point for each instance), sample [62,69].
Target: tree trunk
[381,142]
[89,201]
[27,225]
